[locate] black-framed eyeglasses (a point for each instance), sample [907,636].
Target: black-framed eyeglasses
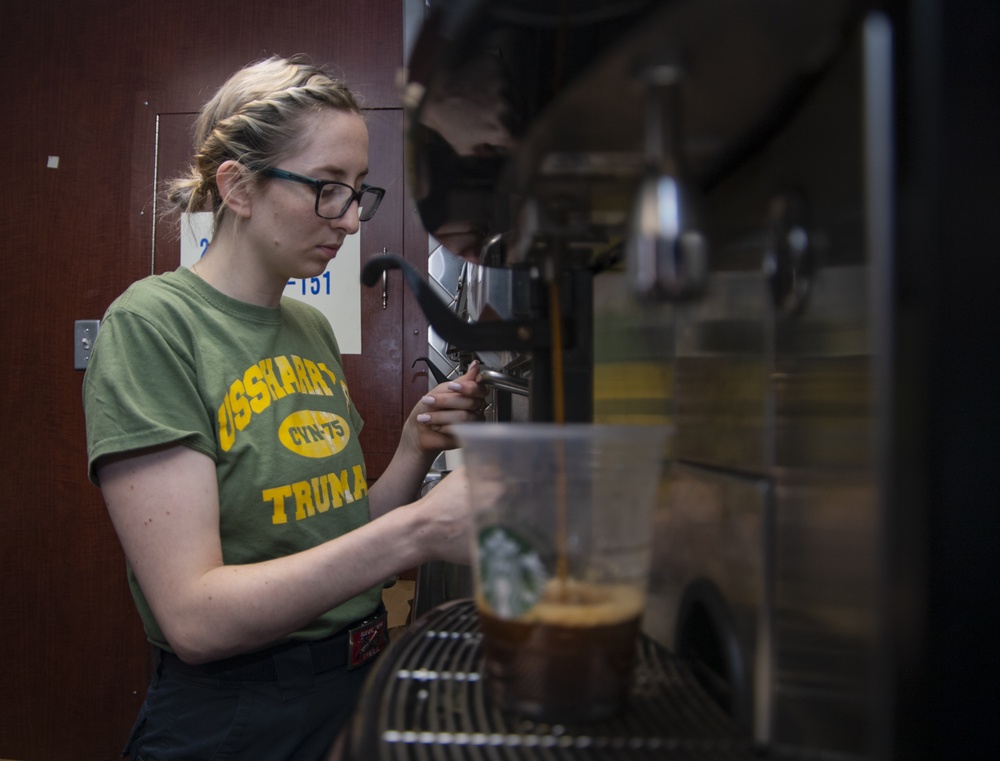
[333,198]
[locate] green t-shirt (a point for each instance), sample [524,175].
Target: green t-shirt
[261,391]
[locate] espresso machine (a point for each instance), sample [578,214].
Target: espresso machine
[702,205]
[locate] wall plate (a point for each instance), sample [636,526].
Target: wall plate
[84,333]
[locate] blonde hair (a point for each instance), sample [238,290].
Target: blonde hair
[254,118]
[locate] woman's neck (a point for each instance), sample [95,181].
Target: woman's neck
[237,276]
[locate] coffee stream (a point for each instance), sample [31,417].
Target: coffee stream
[559,412]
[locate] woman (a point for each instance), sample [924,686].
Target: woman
[223,437]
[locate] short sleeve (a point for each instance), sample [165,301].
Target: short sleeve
[140,390]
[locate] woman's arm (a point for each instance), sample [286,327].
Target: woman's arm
[165,509]
[426,434]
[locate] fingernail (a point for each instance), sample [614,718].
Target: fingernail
[455,386]
[428,400]
[423,418]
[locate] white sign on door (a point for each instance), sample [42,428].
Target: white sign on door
[336,293]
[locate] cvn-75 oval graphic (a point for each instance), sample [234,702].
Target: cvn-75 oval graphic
[314,434]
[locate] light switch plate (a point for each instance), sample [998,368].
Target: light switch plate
[84,333]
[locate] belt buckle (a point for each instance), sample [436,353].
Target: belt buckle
[366,640]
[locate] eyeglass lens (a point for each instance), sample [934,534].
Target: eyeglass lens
[335,198]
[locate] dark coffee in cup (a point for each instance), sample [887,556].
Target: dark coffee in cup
[568,659]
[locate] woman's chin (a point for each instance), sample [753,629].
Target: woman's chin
[314,269]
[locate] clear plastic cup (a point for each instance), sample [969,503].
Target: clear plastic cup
[563,526]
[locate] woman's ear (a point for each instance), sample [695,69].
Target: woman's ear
[233,181]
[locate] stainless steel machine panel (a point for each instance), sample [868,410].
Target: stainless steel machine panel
[709,587]
[766,573]
[774,377]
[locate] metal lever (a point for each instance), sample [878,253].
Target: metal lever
[504,382]
[512,335]
[790,259]
[385,282]
[439,376]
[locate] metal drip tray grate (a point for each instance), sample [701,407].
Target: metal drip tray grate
[426,701]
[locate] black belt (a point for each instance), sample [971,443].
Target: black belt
[352,646]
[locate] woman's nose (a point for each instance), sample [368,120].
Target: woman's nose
[349,220]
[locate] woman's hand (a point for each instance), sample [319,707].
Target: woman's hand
[459,401]
[427,432]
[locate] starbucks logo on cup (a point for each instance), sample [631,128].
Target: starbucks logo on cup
[511,572]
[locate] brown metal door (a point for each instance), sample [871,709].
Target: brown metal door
[85,82]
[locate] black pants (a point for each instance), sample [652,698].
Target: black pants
[294,716]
